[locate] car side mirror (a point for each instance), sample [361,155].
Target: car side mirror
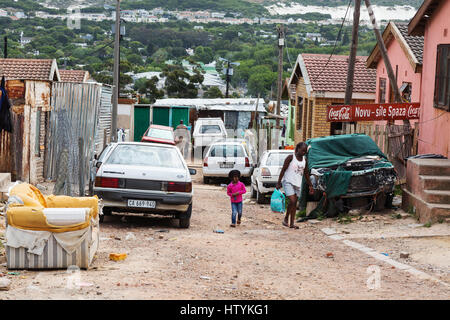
[98,164]
[192,172]
[95,156]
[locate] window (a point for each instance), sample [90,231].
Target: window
[210,129]
[299,113]
[405,91]
[139,155]
[227,150]
[276,159]
[382,91]
[442,82]
[160,134]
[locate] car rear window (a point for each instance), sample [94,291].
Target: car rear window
[141,155]
[276,159]
[160,134]
[227,150]
[210,128]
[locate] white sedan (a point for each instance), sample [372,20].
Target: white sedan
[265,175]
[135,177]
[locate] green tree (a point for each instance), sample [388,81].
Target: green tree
[149,88]
[203,54]
[179,84]
[213,92]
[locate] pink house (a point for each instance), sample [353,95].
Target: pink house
[433,22]
[405,54]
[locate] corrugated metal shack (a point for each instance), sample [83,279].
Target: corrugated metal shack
[80,118]
[29,88]
[236,113]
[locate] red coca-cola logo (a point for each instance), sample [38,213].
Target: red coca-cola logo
[339,114]
[413,112]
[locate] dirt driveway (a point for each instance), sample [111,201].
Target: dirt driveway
[258,260]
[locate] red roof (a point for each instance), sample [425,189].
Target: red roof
[332,75]
[29,69]
[74,75]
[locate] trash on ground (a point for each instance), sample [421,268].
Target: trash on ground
[205,278]
[85,284]
[161,236]
[330,255]
[163,230]
[104,239]
[5,284]
[404,255]
[172,239]
[149,239]
[130,236]
[117,256]
[219,231]
[14,273]
[385,254]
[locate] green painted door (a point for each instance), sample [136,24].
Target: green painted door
[180,114]
[161,116]
[141,121]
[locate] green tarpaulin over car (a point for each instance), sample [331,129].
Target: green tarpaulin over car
[331,151]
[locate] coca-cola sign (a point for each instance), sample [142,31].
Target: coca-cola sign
[368,112]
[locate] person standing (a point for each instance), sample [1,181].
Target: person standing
[235,190]
[291,178]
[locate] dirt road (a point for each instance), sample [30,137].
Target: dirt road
[260,259]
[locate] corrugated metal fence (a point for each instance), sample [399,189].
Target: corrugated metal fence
[74,134]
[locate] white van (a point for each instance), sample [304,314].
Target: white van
[207,131]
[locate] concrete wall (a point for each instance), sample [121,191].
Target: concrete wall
[434,129]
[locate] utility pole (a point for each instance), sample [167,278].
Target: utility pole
[392,79]
[281,33]
[383,51]
[228,78]
[5,48]
[352,57]
[116,75]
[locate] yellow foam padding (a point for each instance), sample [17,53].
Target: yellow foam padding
[30,215]
[30,195]
[35,220]
[73,202]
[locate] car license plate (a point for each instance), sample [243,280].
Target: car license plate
[227,165]
[141,203]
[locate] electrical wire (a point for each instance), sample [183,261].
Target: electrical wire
[335,43]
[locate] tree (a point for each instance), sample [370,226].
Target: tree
[149,88]
[179,84]
[204,54]
[213,92]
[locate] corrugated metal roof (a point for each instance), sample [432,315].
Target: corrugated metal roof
[238,104]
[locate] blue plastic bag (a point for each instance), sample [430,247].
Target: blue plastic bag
[278,201]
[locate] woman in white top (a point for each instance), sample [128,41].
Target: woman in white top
[291,178]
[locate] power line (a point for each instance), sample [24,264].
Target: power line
[335,43]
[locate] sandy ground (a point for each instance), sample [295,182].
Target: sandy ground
[260,259]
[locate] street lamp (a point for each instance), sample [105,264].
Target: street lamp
[229,72]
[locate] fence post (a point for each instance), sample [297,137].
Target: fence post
[81,167]
[416,138]
[386,139]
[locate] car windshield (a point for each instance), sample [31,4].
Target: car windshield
[276,159]
[160,134]
[209,128]
[227,150]
[142,155]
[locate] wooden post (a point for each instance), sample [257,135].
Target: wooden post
[80,167]
[352,57]
[416,138]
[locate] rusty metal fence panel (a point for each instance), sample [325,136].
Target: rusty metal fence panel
[73,128]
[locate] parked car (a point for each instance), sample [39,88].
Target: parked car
[265,175]
[373,177]
[145,178]
[207,131]
[159,134]
[226,155]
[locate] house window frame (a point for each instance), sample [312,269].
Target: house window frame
[442,78]
[382,90]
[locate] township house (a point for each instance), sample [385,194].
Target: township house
[29,87]
[320,81]
[405,54]
[432,22]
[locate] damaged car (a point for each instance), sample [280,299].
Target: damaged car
[349,172]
